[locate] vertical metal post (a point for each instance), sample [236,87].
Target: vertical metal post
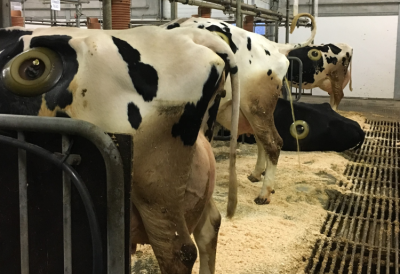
[287,22]
[161,9]
[396,94]
[107,16]
[291,76]
[274,4]
[313,8]
[239,20]
[266,29]
[23,10]
[68,15]
[78,14]
[23,207]
[67,214]
[174,10]
[313,14]
[295,7]
[5,14]
[51,16]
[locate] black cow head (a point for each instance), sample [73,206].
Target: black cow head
[318,126]
[312,60]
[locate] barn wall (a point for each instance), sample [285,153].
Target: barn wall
[374,41]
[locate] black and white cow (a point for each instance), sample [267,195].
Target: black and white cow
[318,128]
[262,64]
[155,84]
[324,67]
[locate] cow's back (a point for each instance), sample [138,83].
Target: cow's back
[121,77]
[258,58]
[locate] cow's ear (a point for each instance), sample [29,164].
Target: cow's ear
[10,36]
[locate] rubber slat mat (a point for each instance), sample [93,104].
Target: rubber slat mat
[361,231]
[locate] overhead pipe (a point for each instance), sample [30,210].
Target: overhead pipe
[259,15]
[254,8]
[267,22]
[223,8]
[246,7]
[200,4]
[219,7]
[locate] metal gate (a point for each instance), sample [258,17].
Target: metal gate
[47,224]
[289,77]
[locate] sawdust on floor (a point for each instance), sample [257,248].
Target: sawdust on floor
[274,238]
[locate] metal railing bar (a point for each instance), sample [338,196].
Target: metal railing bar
[23,207]
[67,213]
[80,186]
[291,59]
[291,75]
[114,167]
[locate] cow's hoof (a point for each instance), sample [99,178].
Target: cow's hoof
[261,201]
[253,179]
[263,174]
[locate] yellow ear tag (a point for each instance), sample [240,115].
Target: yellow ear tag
[223,36]
[314,54]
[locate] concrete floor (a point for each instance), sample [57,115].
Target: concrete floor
[374,109]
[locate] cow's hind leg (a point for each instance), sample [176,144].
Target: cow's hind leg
[206,236]
[255,175]
[166,228]
[160,173]
[258,107]
[170,239]
[336,92]
[270,143]
[268,184]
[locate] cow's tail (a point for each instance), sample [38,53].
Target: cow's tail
[286,48]
[233,184]
[225,52]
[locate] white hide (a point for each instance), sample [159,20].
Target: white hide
[98,59]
